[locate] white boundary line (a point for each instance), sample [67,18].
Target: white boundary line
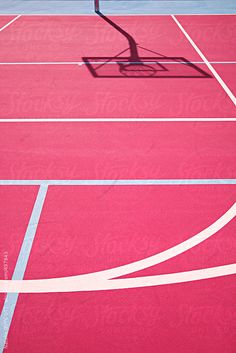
[82,63]
[115,120]
[118,14]
[9,23]
[113,182]
[210,67]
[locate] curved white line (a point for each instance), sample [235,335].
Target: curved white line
[171,252]
[78,284]
[98,277]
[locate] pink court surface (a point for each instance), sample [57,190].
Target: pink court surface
[117,184]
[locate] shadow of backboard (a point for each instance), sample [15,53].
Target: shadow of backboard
[145,67]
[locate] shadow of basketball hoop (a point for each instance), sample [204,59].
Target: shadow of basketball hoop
[135,66]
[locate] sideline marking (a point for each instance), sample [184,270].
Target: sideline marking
[210,67]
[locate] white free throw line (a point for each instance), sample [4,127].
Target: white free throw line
[9,23]
[210,67]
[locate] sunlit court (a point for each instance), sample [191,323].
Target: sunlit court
[117,176]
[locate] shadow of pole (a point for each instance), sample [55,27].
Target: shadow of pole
[134,56]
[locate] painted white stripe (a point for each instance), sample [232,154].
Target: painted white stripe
[118,14]
[157,280]
[71,284]
[101,280]
[9,23]
[171,252]
[210,67]
[121,182]
[220,62]
[82,63]
[113,120]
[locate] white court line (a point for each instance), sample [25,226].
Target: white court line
[101,280]
[118,182]
[171,252]
[81,63]
[118,14]
[210,67]
[72,284]
[9,23]
[114,120]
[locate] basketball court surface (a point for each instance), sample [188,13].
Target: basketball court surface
[117,177]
